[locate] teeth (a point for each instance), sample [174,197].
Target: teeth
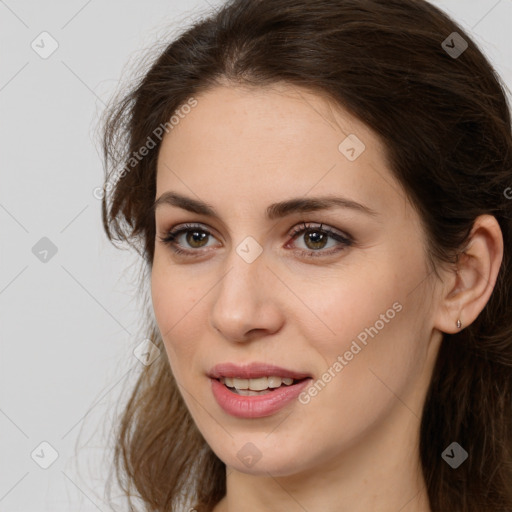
[259,384]
[228,381]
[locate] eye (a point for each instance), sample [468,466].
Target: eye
[316,238]
[195,236]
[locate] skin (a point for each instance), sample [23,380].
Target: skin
[354,446]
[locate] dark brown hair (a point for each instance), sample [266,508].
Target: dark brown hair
[445,123]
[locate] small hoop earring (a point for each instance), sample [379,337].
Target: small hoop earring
[459,324]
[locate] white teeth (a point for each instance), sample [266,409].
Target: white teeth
[274,382]
[240,383]
[248,392]
[259,384]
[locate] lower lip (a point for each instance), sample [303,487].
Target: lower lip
[256,406]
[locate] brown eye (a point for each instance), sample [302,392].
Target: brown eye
[195,238]
[316,239]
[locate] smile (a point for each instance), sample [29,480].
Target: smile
[253,387]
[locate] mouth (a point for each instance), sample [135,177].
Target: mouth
[258,386]
[255,390]
[255,374]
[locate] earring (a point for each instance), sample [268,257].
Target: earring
[459,324]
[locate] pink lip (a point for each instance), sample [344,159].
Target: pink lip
[253,371]
[256,406]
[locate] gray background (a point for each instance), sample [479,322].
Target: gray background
[69,325]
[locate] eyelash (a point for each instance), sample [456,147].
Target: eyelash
[345,240]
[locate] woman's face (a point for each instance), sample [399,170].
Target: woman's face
[349,305]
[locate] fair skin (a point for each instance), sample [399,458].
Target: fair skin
[354,446]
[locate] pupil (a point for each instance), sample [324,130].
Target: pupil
[318,236]
[193,235]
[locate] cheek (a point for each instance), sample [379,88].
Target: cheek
[369,301]
[343,304]
[372,350]
[372,304]
[365,334]
[177,313]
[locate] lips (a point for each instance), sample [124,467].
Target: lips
[244,403]
[254,371]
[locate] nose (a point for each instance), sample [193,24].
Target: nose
[245,304]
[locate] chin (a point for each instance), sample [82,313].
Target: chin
[261,457]
[275,466]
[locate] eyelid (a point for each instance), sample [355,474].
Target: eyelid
[307,226]
[342,238]
[301,225]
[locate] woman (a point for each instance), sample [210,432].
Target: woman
[319,191]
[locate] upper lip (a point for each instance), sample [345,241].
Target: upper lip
[253,371]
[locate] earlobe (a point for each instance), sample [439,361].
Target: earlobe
[472,282]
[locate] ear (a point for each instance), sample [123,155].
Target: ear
[468,287]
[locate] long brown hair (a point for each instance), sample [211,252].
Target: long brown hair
[445,122]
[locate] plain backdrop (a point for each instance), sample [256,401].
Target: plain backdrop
[69,311]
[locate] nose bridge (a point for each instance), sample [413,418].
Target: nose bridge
[244,271]
[243,292]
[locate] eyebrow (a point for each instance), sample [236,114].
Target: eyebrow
[274,211]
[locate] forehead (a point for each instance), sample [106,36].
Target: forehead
[278,114]
[266,143]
